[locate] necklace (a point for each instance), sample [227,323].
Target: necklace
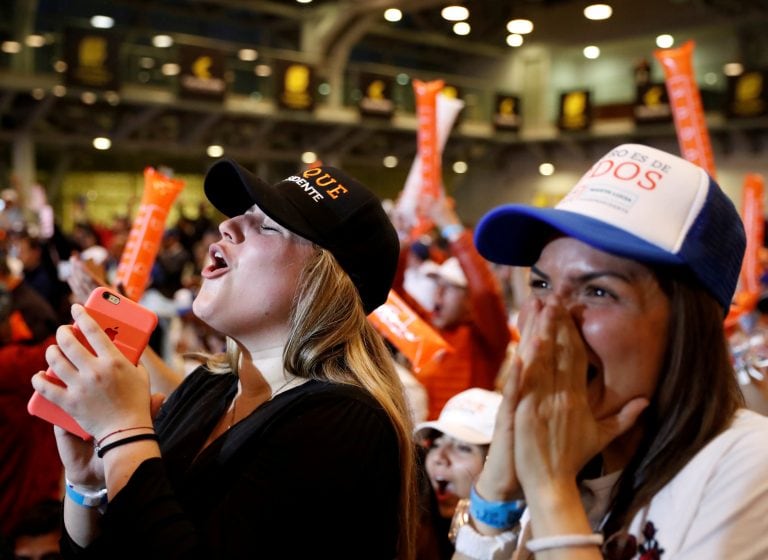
[277,391]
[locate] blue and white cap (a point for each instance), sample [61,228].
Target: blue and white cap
[636,202]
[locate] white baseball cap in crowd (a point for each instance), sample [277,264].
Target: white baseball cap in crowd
[468,416]
[449,271]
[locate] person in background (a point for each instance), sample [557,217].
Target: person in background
[455,447]
[296,443]
[30,470]
[468,312]
[622,422]
[37,534]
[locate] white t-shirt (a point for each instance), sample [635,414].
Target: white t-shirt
[716,508]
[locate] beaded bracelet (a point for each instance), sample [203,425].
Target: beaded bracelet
[564,541]
[100,451]
[499,515]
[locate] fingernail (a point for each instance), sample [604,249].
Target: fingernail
[75,310]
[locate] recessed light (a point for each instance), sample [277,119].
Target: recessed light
[520,26]
[598,11]
[454,13]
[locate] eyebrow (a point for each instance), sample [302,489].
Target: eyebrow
[589,276]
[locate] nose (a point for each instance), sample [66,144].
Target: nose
[230,229]
[440,455]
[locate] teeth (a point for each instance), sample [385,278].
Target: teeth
[218,255]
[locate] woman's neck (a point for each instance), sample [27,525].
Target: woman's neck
[260,370]
[620,451]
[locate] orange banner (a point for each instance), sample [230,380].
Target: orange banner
[754,225]
[143,243]
[746,298]
[428,150]
[685,102]
[408,332]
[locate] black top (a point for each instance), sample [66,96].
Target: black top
[313,473]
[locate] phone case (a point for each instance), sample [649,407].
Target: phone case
[128,325]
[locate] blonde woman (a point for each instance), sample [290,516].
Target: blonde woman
[296,443]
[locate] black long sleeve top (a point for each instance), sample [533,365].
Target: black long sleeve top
[313,472]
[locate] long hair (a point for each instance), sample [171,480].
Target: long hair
[695,400]
[331,339]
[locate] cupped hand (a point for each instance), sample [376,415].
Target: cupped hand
[556,433]
[104,392]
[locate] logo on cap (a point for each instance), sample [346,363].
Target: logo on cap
[315,181]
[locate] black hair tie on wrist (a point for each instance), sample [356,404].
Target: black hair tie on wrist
[100,451]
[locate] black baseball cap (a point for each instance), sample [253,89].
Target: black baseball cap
[326,206]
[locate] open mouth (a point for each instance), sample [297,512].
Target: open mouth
[217,263]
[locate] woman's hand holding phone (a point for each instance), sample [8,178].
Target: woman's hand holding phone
[104,392]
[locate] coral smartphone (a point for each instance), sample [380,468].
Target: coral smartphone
[128,325]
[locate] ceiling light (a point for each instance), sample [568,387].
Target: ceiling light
[262,70]
[304,1]
[460,167]
[546,169]
[60,66]
[309,157]
[10,47]
[393,15]
[247,55]
[733,69]
[214,151]
[598,11]
[454,13]
[102,143]
[461,28]
[170,69]
[592,52]
[710,78]
[520,26]
[35,41]
[112,97]
[162,41]
[665,41]
[389,162]
[147,62]
[102,22]
[38,93]
[59,90]
[88,97]
[402,79]
[514,40]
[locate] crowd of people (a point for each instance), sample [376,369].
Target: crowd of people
[591,403]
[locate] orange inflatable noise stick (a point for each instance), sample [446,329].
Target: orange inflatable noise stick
[408,332]
[135,267]
[687,110]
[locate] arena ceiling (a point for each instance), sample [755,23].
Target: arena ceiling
[147,123]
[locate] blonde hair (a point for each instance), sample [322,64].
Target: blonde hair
[331,340]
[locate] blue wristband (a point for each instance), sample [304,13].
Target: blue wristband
[499,515]
[451,232]
[95,500]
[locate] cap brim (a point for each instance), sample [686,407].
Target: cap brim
[456,431]
[232,189]
[515,235]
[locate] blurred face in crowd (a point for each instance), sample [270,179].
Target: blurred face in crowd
[37,547]
[251,279]
[29,254]
[453,466]
[620,310]
[451,305]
